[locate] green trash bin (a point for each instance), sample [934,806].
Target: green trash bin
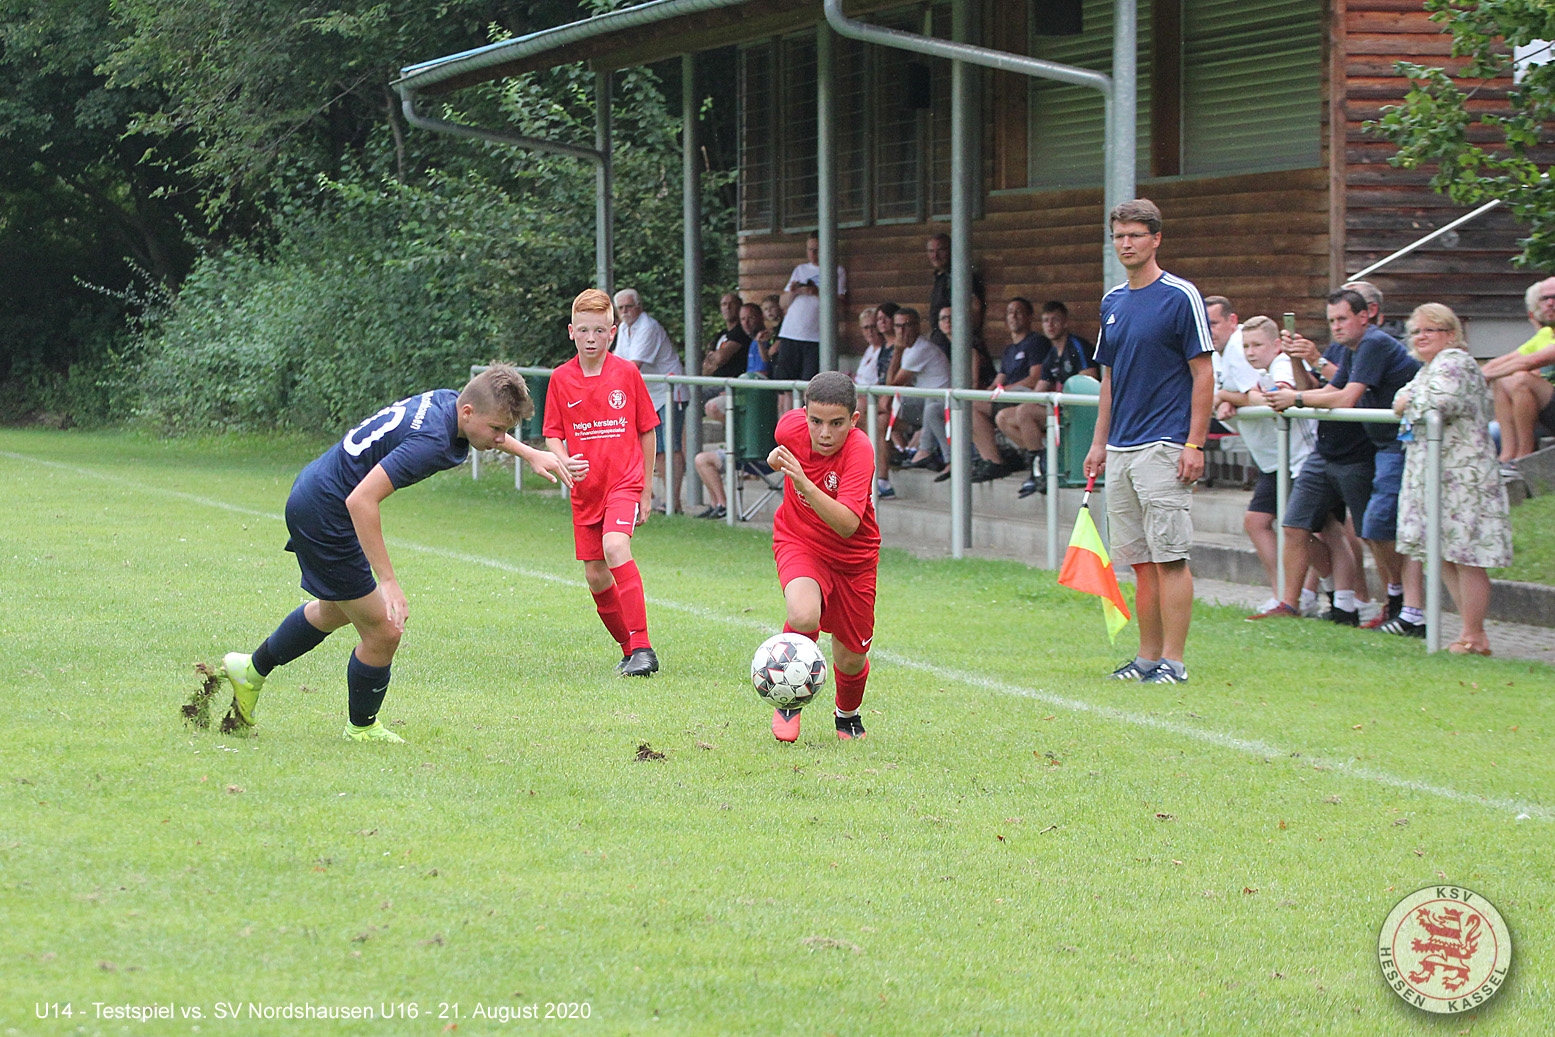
[756,419]
[1076,427]
[533,427]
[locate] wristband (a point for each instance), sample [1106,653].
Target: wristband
[1194,446]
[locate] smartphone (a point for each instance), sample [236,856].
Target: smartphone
[1290,323]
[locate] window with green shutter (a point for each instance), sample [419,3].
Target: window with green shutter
[1251,85]
[1068,123]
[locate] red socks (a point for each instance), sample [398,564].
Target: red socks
[608,602]
[850,689]
[814,635]
[634,610]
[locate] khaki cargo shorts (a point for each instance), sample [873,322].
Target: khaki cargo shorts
[1149,510]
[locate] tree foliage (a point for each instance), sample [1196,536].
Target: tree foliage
[1485,151]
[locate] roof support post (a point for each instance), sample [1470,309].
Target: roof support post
[604,185]
[826,186]
[1121,116]
[691,259]
[963,181]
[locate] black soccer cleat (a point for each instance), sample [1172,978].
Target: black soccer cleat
[1344,617]
[849,728]
[641,663]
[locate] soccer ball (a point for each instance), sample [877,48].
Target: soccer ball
[788,670]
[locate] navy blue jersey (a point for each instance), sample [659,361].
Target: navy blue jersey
[412,439]
[1020,357]
[1063,364]
[1148,335]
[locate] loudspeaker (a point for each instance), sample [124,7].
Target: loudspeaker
[1057,17]
[917,89]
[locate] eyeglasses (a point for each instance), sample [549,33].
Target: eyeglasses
[1417,332]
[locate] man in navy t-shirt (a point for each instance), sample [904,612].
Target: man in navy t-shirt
[336,532]
[1362,465]
[1157,386]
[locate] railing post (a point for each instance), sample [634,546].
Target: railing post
[1050,448]
[669,452]
[1281,496]
[872,422]
[731,465]
[1433,531]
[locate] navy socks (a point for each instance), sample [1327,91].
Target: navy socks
[295,637]
[366,687]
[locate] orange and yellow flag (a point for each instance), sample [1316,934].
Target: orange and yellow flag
[1088,569]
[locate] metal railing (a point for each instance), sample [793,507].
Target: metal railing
[1055,400]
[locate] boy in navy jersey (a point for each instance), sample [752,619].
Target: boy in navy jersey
[599,421]
[826,541]
[336,532]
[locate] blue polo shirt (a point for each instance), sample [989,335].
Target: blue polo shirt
[1148,335]
[1384,366]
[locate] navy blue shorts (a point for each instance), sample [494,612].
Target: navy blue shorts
[328,553]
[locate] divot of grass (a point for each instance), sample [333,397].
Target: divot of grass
[197,711]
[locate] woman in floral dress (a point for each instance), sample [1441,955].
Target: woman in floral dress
[1476,533]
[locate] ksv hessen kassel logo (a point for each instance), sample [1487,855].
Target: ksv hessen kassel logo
[1445,949]
[617,399]
[831,482]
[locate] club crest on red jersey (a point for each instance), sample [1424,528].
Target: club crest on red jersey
[832,482]
[617,399]
[1445,949]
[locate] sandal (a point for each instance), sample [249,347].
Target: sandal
[1467,648]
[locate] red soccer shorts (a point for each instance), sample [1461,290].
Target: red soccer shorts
[621,507]
[847,599]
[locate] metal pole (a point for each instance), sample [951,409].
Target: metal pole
[872,426]
[1281,496]
[731,462]
[1050,447]
[1433,531]
[1438,232]
[826,186]
[475,464]
[691,259]
[962,183]
[1121,113]
[604,177]
[669,453]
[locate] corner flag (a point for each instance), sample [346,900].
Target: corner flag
[1088,569]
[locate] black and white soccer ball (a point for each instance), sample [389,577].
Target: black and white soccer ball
[788,670]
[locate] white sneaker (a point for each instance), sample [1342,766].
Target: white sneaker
[1312,609]
[1268,605]
[1369,610]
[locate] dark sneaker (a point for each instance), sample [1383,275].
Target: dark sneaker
[713,511]
[1164,674]
[1403,628]
[785,725]
[1129,671]
[849,728]
[641,663]
[943,476]
[885,492]
[1344,617]
[1032,485]
[1395,605]
[1279,610]
[987,471]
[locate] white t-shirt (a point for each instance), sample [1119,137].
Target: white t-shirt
[645,342]
[802,322]
[868,372]
[929,363]
[1231,367]
[1260,435]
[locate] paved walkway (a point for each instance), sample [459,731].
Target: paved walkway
[1510,640]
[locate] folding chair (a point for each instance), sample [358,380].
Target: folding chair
[756,422]
[771,486]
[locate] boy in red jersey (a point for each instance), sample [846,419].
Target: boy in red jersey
[826,541]
[599,420]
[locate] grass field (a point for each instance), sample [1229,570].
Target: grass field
[1019,846]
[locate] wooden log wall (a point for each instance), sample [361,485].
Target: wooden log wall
[1259,239]
[1387,208]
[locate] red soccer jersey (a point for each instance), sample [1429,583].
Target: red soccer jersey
[845,475]
[600,418]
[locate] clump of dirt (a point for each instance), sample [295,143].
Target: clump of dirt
[646,752]
[197,711]
[232,724]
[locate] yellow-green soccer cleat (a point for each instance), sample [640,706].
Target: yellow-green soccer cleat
[239,671]
[374,732]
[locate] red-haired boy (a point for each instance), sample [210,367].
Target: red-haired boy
[826,541]
[599,421]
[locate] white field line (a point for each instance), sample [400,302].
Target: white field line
[1245,746]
